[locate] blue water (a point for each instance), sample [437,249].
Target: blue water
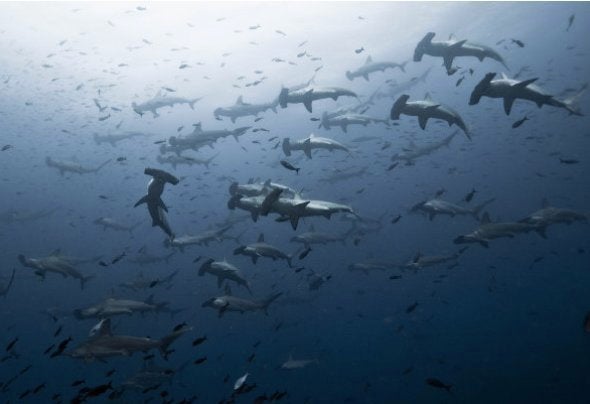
[504,325]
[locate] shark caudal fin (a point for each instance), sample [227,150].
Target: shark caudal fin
[571,104]
[266,302]
[166,341]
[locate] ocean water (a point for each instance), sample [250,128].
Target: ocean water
[504,323]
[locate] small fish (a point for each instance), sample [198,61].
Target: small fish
[359,50]
[570,22]
[104,118]
[240,382]
[568,161]
[119,159]
[438,384]
[11,344]
[301,44]
[199,340]
[103,197]
[393,277]
[250,358]
[159,141]
[289,166]
[180,326]
[110,373]
[118,258]
[297,270]
[305,253]
[200,360]
[520,122]
[391,167]
[57,332]
[396,219]
[458,83]
[77,382]
[258,119]
[149,357]
[6,147]
[278,31]
[98,390]
[412,307]
[103,264]
[49,348]
[61,347]
[470,195]
[314,119]
[153,283]
[518,42]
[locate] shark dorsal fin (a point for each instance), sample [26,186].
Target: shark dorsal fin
[311,135]
[261,238]
[485,218]
[369,60]
[55,252]
[545,203]
[427,97]
[267,183]
[503,76]
[104,327]
[240,100]
[198,127]
[458,44]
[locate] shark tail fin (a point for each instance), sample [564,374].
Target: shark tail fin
[192,103]
[572,103]
[166,341]
[266,302]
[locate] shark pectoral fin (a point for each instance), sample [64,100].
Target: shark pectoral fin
[422,120]
[307,104]
[508,101]
[448,62]
[162,205]
[142,200]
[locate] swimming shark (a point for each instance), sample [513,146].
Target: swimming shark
[241,109]
[13,216]
[200,138]
[422,261]
[488,231]
[72,167]
[348,118]
[105,344]
[451,49]
[160,101]
[56,264]
[370,67]
[393,88]
[110,223]
[259,188]
[433,207]
[426,109]
[262,249]
[223,270]
[116,138]
[113,307]
[549,215]
[176,160]
[231,303]
[312,142]
[412,152]
[311,93]
[510,90]
[312,236]
[202,239]
[156,206]
[291,364]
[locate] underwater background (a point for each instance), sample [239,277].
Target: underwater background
[498,324]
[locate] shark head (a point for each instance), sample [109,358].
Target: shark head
[421,47]
[481,88]
[398,106]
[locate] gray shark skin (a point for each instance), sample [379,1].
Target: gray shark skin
[5,288]
[510,90]
[348,118]
[291,364]
[231,303]
[422,261]
[114,307]
[242,109]
[410,154]
[425,110]
[310,143]
[311,93]
[489,231]
[72,167]
[176,160]
[142,283]
[110,223]
[312,237]
[156,206]
[371,67]
[223,270]
[434,207]
[114,139]
[259,188]
[53,263]
[262,249]
[202,239]
[160,102]
[106,345]
[12,216]
[200,138]
[451,49]
[549,215]
[394,89]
